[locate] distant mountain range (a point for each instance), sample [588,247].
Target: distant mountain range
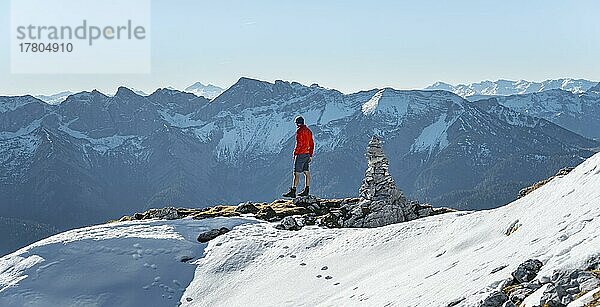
[94,157]
[485,89]
[209,91]
[579,113]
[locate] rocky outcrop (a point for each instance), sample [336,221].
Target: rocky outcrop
[288,223]
[246,208]
[495,299]
[539,184]
[379,203]
[527,270]
[559,289]
[211,234]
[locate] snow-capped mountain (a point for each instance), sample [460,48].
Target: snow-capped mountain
[55,98]
[474,91]
[540,249]
[577,112]
[209,91]
[94,157]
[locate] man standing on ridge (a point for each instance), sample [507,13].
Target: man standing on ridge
[303,153]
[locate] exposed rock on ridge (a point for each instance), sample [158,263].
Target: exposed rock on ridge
[380,203]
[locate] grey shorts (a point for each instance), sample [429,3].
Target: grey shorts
[301,163]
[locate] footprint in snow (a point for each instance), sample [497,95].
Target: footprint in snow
[324,268]
[319,276]
[328,277]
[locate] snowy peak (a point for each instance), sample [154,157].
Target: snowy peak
[441,86]
[508,87]
[401,102]
[209,91]
[54,99]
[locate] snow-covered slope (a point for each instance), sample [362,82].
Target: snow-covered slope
[427,262]
[124,264]
[456,257]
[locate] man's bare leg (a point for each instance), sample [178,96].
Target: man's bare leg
[307,178]
[296,179]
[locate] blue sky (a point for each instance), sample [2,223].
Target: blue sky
[348,45]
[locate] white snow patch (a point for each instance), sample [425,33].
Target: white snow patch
[370,106]
[121,264]
[534,298]
[101,145]
[434,136]
[180,120]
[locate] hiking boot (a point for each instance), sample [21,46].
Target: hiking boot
[291,193]
[304,192]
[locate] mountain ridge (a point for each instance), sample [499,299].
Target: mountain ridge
[130,152]
[501,87]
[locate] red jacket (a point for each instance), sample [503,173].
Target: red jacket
[304,141]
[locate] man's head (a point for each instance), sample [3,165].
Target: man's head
[299,120]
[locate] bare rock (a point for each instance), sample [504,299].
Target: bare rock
[211,234]
[509,304]
[167,213]
[288,223]
[330,220]
[245,208]
[527,270]
[267,214]
[305,201]
[495,299]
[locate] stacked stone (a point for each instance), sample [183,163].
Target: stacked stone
[382,202]
[378,184]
